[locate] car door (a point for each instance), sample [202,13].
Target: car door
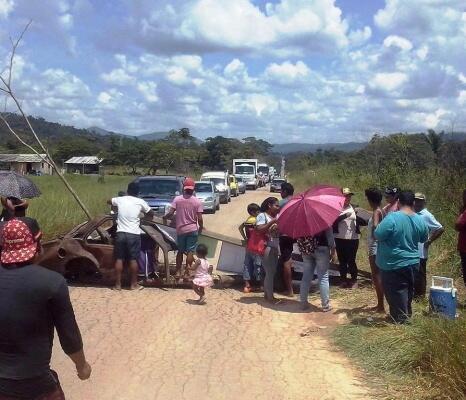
[98,241]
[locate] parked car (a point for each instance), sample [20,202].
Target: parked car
[85,253]
[233,186]
[206,192]
[241,185]
[276,184]
[160,190]
[220,181]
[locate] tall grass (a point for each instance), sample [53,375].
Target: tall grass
[57,211]
[423,360]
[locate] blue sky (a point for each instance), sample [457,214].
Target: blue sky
[283,70]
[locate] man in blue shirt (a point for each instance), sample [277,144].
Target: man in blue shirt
[398,237]
[435,231]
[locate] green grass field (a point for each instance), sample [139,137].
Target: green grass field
[57,211]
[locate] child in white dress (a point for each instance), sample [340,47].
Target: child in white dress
[202,277]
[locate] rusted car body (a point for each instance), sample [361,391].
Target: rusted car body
[86,252]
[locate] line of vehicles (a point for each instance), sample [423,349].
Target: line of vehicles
[213,188]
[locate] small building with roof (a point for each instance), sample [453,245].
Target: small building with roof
[24,164]
[83,165]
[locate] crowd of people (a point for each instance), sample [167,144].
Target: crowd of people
[398,240]
[34,301]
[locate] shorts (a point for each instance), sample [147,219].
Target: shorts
[127,246]
[187,242]
[286,248]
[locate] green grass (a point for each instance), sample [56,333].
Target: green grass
[423,360]
[57,211]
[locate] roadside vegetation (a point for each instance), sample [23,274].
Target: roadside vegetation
[427,358]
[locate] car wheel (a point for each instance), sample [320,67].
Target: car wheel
[229,199]
[218,206]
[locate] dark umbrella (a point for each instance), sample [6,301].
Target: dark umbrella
[16,185]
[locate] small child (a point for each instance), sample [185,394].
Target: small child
[252,262]
[202,278]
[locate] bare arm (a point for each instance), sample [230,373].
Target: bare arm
[267,226]
[168,215]
[200,221]
[376,218]
[435,235]
[241,231]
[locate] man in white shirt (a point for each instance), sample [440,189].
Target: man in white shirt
[128,238]
[435,231]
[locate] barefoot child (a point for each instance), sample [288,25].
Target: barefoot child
[202,278]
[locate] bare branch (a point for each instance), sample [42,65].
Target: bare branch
[13,52]
[48,159]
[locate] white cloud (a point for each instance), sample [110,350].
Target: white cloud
[104,97]
[117,77]
[149,91]
[287,72]
[360,36]
[66,20]
[6,7]
[261,103]
[235,67]
[398,41]
[61,83]
[388,81]
[288,27]
[177,75]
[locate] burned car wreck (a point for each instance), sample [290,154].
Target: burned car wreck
[85,253]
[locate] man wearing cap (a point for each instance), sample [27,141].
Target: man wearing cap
[346,234]
[33,302]
[187,209]
[128,237]
[435,231]
[391,197]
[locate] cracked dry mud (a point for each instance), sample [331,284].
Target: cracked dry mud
[156,344]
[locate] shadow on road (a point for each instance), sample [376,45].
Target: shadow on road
[280,304]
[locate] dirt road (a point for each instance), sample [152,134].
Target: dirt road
[159,344]
[226,220]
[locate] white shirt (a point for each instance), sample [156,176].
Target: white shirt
[129,208]
[432,225]
[263,219]
[347,228]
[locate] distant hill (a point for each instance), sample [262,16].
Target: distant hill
[286,148]
[153,136]
[102,132]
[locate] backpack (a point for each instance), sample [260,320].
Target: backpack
[257,242]
[307,244]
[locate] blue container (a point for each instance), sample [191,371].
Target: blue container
[442,298]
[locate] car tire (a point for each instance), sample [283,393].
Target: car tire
[229,199]
[217,207]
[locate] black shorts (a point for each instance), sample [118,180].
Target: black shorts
[127,246]
[286,248]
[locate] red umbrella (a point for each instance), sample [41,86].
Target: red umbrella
[311,212]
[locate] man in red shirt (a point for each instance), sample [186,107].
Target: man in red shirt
[460,226]
[187,209]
